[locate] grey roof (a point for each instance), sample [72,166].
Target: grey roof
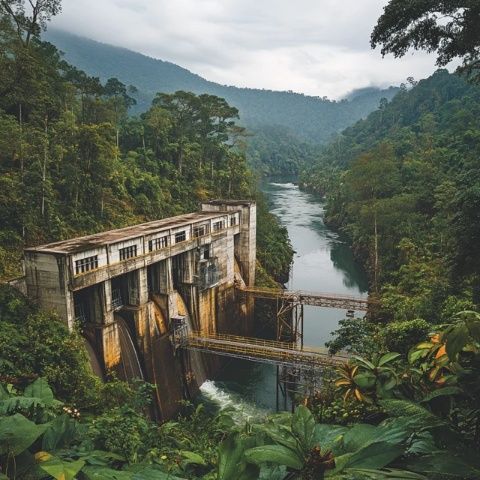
[81,244]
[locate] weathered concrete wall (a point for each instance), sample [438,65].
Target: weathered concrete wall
[46,278]
[165,280]
[247,250]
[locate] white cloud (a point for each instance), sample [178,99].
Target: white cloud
[318,47]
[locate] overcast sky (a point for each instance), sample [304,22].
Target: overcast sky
[318,47]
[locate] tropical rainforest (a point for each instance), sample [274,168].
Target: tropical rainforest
[402,184]
[300,122]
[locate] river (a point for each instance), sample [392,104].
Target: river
[323,262]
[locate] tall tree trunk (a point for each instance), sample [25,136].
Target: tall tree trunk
[143,143]
[20,122]
[376,251]
[117,129]
[180,160]
[44,167]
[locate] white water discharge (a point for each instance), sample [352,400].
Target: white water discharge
[225,400]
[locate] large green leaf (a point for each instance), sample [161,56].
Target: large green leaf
[150,472]
[104,473]
[329,437]
[60,433]
[62,469]
[364,362]
[396,431]
[303,426]
[359,436]
[192,458]
[101,458]
[456,339]
[277,454]
[40,389]
[231,462]
[404,408]
[280,434]
[384,474]
[443,463]
[416,353]
[269,472]
[441,392]
[17,433]
[375,455]
[13,404]
[387,358]
[365,380]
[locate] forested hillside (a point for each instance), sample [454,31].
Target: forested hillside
[275,150]
[404,186]
[312,118]
[73,162]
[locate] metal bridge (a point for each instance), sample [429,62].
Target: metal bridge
[316,299]
[247,348]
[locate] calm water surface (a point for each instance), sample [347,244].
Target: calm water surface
[323,262]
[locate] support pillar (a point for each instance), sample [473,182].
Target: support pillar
[110,334]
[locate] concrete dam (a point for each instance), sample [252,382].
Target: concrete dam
[127,290]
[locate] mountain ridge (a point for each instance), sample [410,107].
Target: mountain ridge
[315,119]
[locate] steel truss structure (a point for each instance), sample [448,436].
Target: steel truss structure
[327,300]
[247,348]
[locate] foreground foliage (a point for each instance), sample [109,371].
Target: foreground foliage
[387,416]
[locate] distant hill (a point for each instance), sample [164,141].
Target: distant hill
[312,118]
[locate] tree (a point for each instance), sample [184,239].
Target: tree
[373,178]
[118,94]
[449,28]
[29,26]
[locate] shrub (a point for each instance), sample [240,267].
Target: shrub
[400,336]
[354,335]
[124,431]
[37,343]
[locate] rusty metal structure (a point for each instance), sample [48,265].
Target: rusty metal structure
[292,378]
[316,299]
[260,350]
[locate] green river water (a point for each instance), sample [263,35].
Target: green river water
[323,262]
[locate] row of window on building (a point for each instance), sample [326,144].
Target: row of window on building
[86,264]
[91,263]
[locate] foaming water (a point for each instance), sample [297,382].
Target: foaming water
[225,400]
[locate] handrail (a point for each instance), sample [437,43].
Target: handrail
[309,298]
[256,349]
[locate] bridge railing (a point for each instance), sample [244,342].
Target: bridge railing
[310,298]
[270,351]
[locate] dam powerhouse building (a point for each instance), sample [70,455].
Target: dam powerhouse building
[126,288]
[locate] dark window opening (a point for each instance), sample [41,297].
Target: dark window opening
[233,221]
[86,264]
[128,252]
[180,237]
[205,252]
[199,231]
[217,226]
[157,243]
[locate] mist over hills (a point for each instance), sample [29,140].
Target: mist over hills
[312,118]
